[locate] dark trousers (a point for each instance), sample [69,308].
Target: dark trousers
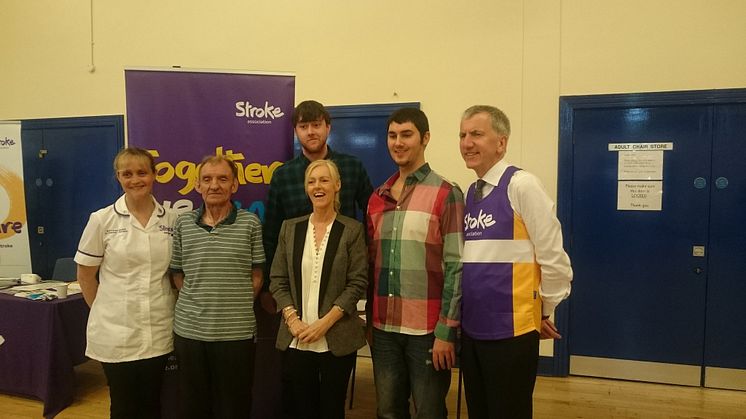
[319,382]
[499,376]
[215,378]
[135,387]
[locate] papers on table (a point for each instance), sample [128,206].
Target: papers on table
[9,282]
[43,291]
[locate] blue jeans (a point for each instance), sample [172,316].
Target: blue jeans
[403,365]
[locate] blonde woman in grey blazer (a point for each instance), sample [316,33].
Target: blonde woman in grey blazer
[318,274]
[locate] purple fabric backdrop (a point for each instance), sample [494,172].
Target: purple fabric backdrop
[183,116]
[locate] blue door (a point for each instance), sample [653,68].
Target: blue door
[656,293]
[725,343]
[68,174]
[361,130]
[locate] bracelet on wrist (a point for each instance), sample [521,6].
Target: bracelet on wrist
[288,313]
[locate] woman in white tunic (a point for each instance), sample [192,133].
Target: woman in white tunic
[130,326]
[319,273]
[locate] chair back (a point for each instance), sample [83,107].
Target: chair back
[65,269]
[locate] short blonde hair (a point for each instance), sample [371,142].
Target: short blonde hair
[334,173]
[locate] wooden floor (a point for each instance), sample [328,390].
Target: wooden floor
[556,398]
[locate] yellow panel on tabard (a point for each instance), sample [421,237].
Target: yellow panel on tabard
[519,228]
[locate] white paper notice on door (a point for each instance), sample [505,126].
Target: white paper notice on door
[640,165]
[637,195]
[640,175]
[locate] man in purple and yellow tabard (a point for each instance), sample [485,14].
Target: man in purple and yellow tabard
[515,272]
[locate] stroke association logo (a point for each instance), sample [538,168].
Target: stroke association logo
[258,114]
[6,142]
[16,217]
[475,225]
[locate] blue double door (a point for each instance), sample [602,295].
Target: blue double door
[68,173]
[658,294]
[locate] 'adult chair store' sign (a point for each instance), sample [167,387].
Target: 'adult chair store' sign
[640,175]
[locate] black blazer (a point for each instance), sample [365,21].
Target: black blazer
[344,279]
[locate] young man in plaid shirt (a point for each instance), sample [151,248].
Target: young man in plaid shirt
[415,227]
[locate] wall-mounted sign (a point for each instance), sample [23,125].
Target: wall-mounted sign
[636,165]
[640,175]
[639,195]
[640,146]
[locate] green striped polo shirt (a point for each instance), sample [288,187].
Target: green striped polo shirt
[216,302]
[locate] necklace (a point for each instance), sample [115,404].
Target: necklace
[320,242]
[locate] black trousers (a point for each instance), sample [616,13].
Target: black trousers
[215,378]
[319,382]
[135,387]
[499,376]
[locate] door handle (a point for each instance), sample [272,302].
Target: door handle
[721,182]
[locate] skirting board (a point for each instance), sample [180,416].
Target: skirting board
[688,375]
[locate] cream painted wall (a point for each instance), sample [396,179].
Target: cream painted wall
[652,45]
[519,55]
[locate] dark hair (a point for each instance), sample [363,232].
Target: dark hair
[214,160]
[310,110]
[413,115]
[134,152]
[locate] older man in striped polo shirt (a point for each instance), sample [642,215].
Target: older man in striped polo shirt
[217,264]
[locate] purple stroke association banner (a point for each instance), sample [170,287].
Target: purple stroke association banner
[15,254]
[181,116]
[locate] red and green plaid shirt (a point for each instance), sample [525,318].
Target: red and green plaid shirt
[415,254]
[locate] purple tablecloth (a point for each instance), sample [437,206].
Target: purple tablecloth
[44,340]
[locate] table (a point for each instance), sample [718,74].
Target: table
[44,340]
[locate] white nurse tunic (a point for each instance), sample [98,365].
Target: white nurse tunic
[132,315]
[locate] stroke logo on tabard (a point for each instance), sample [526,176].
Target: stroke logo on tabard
[182,116]
[15,256]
